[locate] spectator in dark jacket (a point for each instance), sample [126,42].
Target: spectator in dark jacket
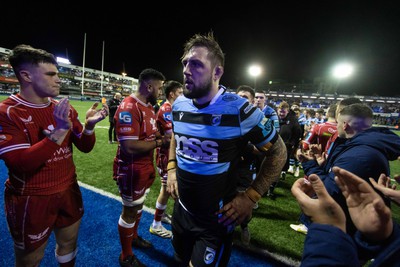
[360,148]
[327,243]
[290,129]
[290,132]
[113,104]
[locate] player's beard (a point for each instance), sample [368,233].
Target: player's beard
[152,100]
[197,92]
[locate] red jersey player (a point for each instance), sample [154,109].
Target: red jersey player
[138,136]
[36,138]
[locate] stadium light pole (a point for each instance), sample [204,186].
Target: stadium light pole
[255,71]
[342,71]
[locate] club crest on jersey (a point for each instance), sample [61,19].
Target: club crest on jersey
[180,115]
[209,255]
[229,97]
[216,120]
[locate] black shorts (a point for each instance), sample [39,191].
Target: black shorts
[203,244]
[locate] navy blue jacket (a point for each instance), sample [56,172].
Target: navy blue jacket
[367,154]
[326,245]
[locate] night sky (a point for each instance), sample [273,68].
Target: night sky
[292,42]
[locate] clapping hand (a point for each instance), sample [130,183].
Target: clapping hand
[323,209]
[93,115]
[367,209]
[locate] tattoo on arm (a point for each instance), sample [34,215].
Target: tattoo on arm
[271,167]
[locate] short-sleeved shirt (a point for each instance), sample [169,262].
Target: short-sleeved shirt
[135,120]
[209,142]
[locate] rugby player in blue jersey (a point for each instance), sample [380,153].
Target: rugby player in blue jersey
[211,127]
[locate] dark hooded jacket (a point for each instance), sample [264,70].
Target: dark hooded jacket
[327,245]
[367,154]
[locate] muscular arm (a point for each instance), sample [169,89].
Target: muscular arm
[241,207]
[271,167]
[137,147]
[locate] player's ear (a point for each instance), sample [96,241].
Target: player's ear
[218,71]
[25,75]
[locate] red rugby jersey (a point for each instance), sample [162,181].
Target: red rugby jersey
[38,166]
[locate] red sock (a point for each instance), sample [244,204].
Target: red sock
[137,221]
[126,237]
[158,215]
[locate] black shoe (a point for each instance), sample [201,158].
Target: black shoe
[139,242]
[130,261]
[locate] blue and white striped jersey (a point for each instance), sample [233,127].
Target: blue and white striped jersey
[209,142]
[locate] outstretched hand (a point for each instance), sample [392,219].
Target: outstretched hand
[93,115]
[367,209]
[323,209]
[387,188]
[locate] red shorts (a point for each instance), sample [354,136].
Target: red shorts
[31,219]
[133,180]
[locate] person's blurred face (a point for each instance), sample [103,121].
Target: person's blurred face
[341,121]
[246,95]
[177,93]
[259,100]
[155,88]
[283,112]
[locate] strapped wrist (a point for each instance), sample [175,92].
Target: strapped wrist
[171,165]
[252,194]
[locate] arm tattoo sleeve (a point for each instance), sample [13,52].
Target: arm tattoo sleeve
[271,167]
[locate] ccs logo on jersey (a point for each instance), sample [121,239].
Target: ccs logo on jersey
[125,117]
[229,97]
